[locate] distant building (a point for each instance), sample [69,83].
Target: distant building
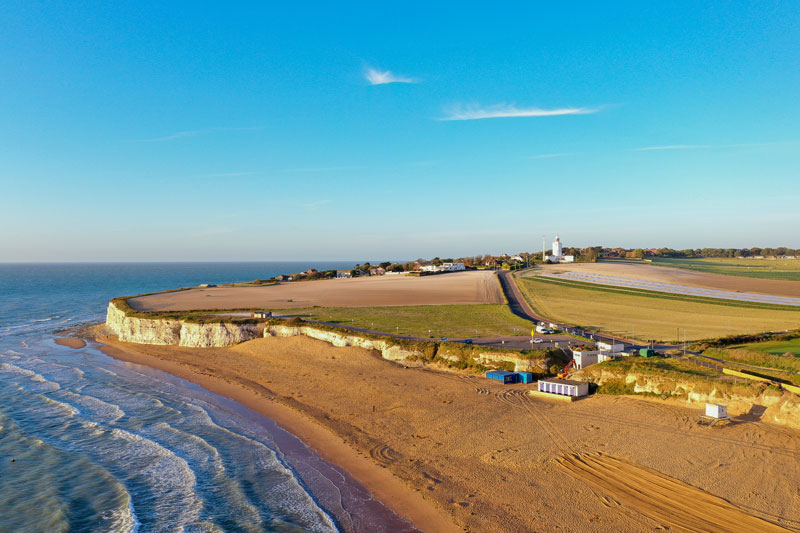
[343,274]
[261,314]
[558,253]
[444,267]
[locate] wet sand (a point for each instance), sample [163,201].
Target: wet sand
[650,272]
[472,287]
[443,448]
[71,342]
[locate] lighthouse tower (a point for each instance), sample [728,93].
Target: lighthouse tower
[557,249]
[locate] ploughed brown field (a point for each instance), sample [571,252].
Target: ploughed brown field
[492,458]
[651,272]
[471,287]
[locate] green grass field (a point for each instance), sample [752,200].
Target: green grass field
[776,348]
[780,362]
[651,315]
[781,269]
[418,320]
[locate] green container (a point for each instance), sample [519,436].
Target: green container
[647,352]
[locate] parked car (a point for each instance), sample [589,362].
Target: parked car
[468,341]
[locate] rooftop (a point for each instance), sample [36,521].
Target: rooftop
[563,381]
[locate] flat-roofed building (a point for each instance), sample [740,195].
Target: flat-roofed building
[564,387]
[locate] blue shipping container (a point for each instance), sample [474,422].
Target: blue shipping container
[525,377]
[502,375]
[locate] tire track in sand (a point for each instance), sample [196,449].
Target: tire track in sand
[660,497]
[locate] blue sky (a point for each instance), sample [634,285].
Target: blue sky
[182,131]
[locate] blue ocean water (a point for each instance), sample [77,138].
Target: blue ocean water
[89,443]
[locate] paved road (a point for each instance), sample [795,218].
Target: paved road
[520,307]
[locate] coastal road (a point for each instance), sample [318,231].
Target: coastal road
[520,307]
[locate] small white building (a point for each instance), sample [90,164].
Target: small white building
[567,259]
[602,357]
[564,387]
[261,314]
[585,358]
[343,274]
[714,410]
[453,267]
[606,347]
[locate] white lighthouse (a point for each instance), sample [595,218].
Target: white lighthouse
[557,249]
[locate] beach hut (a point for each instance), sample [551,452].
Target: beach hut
[564,387]
[525,377]
[502,375]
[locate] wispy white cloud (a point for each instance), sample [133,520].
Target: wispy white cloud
[674,147]
[226,174]
[315,206]
[511,111]
[320,169]
[377,77]
[550,156]
[191,133]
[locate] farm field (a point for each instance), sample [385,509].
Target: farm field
[658,272]
[470,287]
[778,269]
[644,315]
[479,320]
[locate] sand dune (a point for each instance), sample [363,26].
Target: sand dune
[471,287]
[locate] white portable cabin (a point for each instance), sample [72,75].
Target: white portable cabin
[714,410]
[564,387]
[606,347]
[584,359]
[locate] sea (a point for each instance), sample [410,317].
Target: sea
[90,443]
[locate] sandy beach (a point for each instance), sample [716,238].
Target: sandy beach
[647,271]
[451,451]
[71,342]
[471,287]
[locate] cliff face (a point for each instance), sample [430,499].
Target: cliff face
[142,330]
[221,334]
[216,334]
[390,352]
[170,332]
[781,407]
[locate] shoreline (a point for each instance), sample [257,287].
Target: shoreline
[380,482]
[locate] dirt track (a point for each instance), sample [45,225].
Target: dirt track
[651,272]
[472,287]
[660,497]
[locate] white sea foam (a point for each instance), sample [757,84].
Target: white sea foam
[95,407]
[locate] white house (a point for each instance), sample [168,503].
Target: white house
[567,259]
[444,267]
[343,274]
